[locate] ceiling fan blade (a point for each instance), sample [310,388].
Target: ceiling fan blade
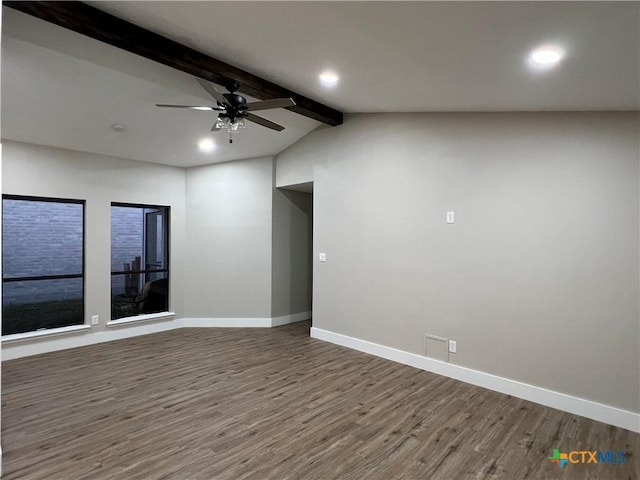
[263,121]
[192,107]
[212,91]
[267,104]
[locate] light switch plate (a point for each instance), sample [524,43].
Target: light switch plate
[451,217]
[322,257]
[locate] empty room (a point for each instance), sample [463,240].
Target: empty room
[320,240]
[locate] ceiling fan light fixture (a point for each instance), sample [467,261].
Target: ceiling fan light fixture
[236,125]
[226,124]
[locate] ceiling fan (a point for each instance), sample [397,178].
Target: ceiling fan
[233,109]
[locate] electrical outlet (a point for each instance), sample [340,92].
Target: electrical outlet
[453,346]
[95,319]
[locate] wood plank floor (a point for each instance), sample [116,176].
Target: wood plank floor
[275,404]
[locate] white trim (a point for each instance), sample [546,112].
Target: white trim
[561,401]
[50,332]
[294,317]
[245,322]
[226,322]
[16,346]
[18,350]
[141,318]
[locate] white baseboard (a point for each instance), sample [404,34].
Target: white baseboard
[293,318]
[11,351]
[560,401]
[61,340]
[245,322]
[226,322]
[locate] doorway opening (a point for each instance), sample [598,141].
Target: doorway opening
[292,254]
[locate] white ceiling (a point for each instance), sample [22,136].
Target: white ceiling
[417,56]
[60,88]
[65,90]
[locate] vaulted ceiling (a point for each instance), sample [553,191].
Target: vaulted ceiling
[62,89]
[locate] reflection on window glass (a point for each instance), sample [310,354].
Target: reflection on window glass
[33,305]
[139,260]
[42,263]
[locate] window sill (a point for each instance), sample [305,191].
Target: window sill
[141,318]
[51,332]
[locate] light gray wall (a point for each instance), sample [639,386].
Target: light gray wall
[296,164]
[538,279]
[229,239]
[291,252]
[51,172]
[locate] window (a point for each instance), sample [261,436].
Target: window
[42,263]
[139,260]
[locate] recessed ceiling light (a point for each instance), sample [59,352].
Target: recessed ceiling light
[546,56]
[118,127]
[329,79]
[206,145]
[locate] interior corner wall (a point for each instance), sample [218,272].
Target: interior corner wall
[291,253]
[41,171]
[537,279]
[229,239]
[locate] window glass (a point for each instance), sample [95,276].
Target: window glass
[139,260]
[42,263]
[33,305]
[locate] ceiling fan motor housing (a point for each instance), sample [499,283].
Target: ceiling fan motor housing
[237,101]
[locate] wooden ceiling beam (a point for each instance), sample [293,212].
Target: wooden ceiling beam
[102,26]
